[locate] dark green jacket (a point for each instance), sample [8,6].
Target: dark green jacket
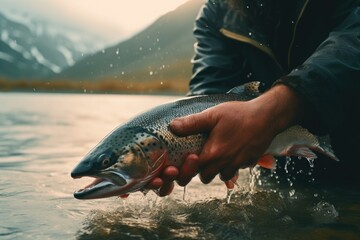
[312,46]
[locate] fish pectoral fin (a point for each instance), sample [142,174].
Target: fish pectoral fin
[267,161]
[301,151]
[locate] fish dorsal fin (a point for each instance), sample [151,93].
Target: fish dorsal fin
[248,89]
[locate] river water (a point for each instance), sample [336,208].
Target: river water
[43,136]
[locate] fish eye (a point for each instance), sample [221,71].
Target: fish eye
[104,160]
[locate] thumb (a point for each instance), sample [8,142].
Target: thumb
[192,124]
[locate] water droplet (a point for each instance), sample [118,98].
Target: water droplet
[122,73]
[292,192]
[288,161]
[111,65]
[151,73]
[117,51]
[161,83]
[311,162]
[250,33]
[84,90]
[140,48]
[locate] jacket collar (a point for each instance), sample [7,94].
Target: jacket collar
[238,27]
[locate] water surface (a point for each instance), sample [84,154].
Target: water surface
[43,136]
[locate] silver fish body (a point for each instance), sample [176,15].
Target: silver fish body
[135,152]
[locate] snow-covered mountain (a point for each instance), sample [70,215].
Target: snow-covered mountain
[35,49]
[161,52]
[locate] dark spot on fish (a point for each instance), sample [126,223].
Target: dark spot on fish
[154,144]
[142,143]
[146,150]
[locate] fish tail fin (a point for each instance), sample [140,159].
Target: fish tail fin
[303,151]
[325,147]
[267,161]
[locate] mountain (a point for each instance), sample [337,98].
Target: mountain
[160,52]
[34,49]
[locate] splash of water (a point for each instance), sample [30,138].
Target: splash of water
[229,194]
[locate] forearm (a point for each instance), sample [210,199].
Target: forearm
[282,107]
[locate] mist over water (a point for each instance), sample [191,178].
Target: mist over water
[43,136]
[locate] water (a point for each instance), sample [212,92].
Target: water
[43,136]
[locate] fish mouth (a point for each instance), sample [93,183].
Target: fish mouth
[104,185]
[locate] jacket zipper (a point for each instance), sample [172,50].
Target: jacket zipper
[295,29]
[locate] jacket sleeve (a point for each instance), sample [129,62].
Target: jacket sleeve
[329,80]
[218,61]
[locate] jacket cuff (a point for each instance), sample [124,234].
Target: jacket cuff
[324,111]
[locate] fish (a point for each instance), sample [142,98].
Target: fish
[135,152]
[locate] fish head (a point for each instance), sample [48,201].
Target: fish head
[123,162]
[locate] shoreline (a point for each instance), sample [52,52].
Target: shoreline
[172,87]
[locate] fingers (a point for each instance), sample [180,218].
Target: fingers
[208,174]
[192,124]
[156,183]
[189,169]
[230,184]
[166,189]
[240,162]
[168,176]
[164,184]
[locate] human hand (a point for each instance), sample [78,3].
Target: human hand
[239,133]
[163,185]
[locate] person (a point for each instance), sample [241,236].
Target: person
[307,55]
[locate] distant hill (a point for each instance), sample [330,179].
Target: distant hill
[33,49]
[160,52]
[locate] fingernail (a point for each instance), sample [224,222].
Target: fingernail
[175,123]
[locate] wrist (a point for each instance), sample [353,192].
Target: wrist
[283,105]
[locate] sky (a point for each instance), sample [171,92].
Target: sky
[115,18]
